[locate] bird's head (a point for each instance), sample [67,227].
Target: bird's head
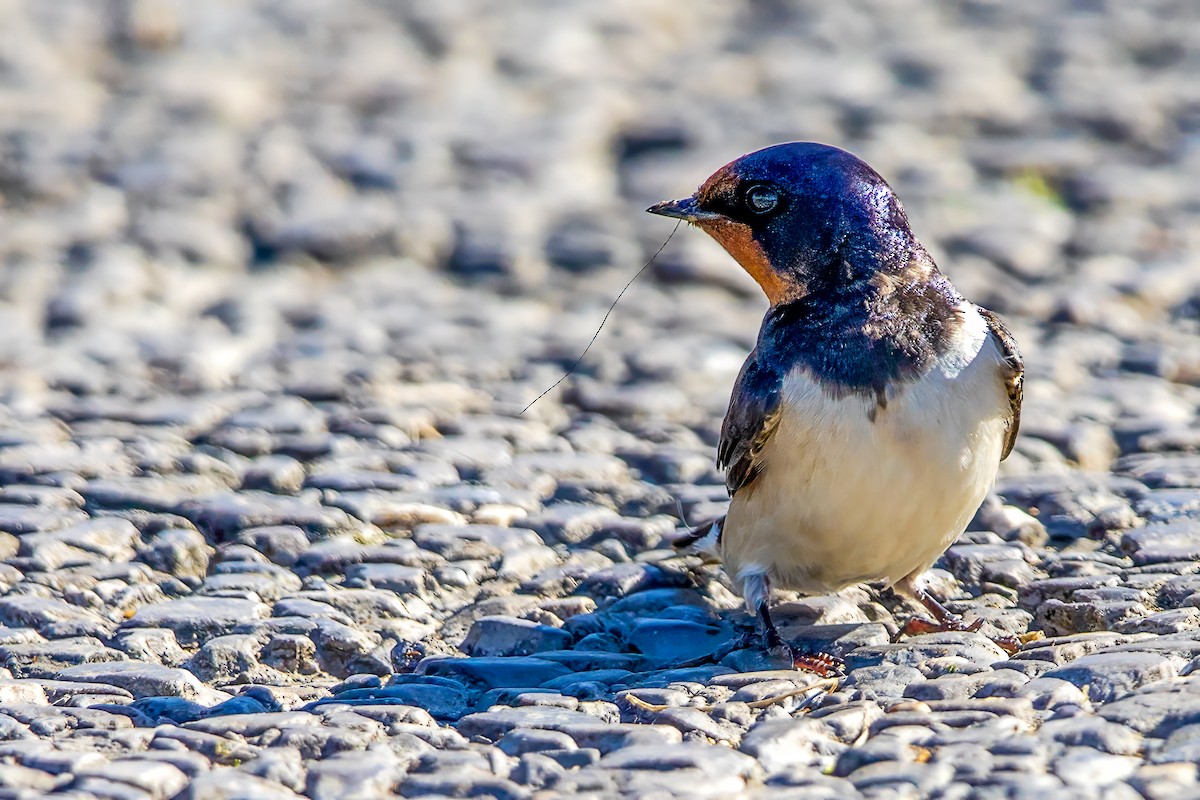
[800,217]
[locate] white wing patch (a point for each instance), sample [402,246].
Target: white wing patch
[968,341]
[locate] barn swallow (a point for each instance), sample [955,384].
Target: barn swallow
[869,421]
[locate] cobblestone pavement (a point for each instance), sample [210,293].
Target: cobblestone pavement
[279,275]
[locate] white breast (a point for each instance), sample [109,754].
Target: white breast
[843,498]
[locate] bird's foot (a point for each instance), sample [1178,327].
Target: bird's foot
[824,664]
[954,623]
[1009,644]
[917,625]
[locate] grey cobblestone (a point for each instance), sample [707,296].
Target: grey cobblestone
[277,281]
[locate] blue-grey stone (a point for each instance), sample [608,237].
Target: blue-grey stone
[443,702]
[498,672]
[672,641]
[1107,676]
[491,725]
[511,636]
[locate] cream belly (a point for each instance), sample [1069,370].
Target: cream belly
[843,498]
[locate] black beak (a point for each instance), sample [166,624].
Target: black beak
[685,209]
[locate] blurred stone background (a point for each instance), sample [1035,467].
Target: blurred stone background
[277,276]
[159,153]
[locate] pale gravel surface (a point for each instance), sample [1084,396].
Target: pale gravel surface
[278,276]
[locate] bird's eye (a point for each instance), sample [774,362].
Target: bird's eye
[762,199]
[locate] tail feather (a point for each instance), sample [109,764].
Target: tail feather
[704,538]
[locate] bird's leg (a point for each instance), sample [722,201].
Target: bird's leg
[756,589]
[946,620]
[770,634]
[823,664]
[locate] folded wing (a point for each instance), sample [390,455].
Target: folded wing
[1012,373]
[752,418]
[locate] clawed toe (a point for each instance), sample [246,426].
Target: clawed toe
[1009,644]
[916,625]
[824,664]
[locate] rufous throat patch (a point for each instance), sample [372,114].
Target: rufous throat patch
[739,242]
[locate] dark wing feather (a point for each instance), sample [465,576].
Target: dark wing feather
[752,417]
[1013,373]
